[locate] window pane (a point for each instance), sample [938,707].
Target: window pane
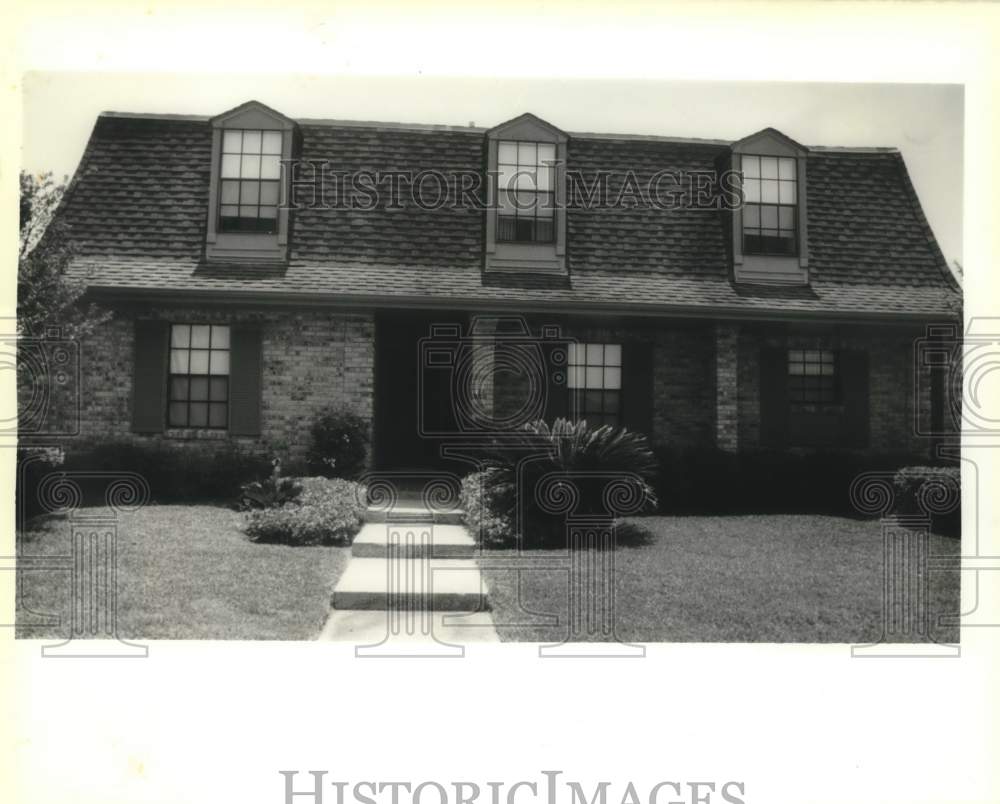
[269,192]
[270,167]
[507,153]
[544,178]
[786,192]
[178,414]
[230,166]
[612,354]
[199,414]
[751,216]
[229,212]
[526,179]
[251,142]
[751,191]
[180,335]
[178,362]
[199,336]
[545,208]
[199,389]
[751,167]
[595,377]
[250,167]
[769,217]
[786,217]
[218,389]
[572,356]
[217,415]
[546,152]
[179,388]
[576,376]
[595,354]
[199,361]
[232,142]
[272,142]
[505,202]
[220,337]
[506,227]
[613,377]
[768,167]
[786,168]
[769,192]
[230,192]
[249,192]
[611,403]
[219,363]
[269,213]
[526,153]
[248,212]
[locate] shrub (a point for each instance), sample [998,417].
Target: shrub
[510,485]
[175,473]
[326,511]
[933,491]
[338,444]
[271,493]
[33,463]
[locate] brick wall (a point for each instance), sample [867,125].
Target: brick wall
[310,360]
[892,399]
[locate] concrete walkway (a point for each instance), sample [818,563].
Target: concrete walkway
[412,587]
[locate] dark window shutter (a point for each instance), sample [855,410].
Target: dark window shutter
[149,376]
[245,381]
[637,387]
[556,389]
[774,407]
[854,389]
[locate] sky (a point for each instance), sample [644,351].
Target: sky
[924,121]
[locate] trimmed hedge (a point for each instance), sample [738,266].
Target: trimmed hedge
[175,473]
[325,511]
[709,481]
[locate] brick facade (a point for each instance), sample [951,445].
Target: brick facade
[310,360]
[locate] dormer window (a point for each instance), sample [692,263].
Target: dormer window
[246,219]
[526,215]
[770,205]
[251,173]
[770,244]
[525,187]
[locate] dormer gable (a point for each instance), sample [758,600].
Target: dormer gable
[770,228]
[251,144]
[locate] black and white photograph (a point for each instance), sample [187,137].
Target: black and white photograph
[446,371]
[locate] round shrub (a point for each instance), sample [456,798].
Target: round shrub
[338,444]
[325,511]
[487,513]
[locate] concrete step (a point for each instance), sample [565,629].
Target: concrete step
[410,584]
[414,513]
[413,540]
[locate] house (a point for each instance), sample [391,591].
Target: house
[614,279]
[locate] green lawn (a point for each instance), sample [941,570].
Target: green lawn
[727,579]
[187,572]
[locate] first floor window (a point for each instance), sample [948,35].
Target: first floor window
[199,376]
[595,382]
[812,376]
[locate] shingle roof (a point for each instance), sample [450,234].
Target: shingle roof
[138,206]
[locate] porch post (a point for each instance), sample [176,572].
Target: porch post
[726,385]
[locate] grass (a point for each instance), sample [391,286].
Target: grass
[726,579]
[188,572]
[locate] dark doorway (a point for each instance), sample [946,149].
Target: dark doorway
[413,400]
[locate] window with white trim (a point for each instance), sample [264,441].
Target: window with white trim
[199,376]
[250,180]
[594,378]
[525,192]
[770,205]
